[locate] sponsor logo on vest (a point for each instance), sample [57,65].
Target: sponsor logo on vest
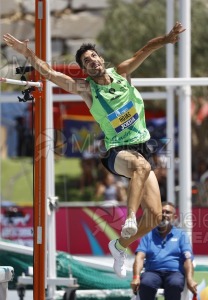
[128,123]
[125,117]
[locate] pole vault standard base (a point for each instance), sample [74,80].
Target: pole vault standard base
[70,283]
[6,275]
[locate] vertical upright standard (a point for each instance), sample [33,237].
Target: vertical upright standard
[185,203]
[170,110]
[39,281]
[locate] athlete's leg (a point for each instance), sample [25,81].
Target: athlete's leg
[152,210]
[143,185]
[134,166]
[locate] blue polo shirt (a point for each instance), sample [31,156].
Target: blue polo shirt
[167,253]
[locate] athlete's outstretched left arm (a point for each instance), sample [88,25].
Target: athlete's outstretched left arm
[129,65]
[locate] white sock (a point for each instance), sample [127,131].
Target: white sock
[119,246]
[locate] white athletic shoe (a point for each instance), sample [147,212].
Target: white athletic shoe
[119,259]
[130,227]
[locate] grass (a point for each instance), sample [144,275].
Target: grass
[200,275]
[17,180]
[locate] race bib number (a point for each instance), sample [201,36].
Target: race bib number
[123,117]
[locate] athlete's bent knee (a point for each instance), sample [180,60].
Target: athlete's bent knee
[141,169]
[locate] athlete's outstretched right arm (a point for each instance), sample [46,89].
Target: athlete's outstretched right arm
[65,82]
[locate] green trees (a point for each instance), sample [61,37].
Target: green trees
[199,40]
[130,24]
[128,27]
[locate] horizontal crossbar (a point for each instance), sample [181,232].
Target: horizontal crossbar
[180,81]
[21,82]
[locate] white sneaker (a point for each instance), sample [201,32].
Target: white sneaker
[119,259]
[130,227]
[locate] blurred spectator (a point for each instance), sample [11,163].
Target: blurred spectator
[204,176]
[110,190]
[203,192]
[200,168]
[21,133]
[160,163]
[202,111]
[89,170]
[203,189]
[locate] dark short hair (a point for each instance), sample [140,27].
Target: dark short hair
[83,49]
[168,203]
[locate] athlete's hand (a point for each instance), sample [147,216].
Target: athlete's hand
[14,43]
[173,36]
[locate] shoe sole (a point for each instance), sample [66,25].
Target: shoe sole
[126,233]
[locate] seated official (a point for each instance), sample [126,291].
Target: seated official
[167,253]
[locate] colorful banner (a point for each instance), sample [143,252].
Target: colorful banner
[16,224]
[88,230]
[79,132]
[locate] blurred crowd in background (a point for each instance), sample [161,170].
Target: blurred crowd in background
[105,186]
[94,174]
[111,188]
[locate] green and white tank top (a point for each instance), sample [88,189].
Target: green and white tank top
[119,110]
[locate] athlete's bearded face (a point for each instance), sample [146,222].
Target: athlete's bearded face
[93,64]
